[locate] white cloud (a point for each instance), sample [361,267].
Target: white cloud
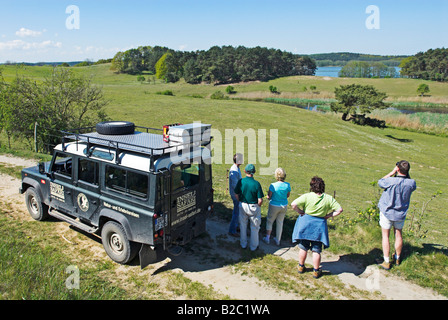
[23,45]
[23,32]
[97,51]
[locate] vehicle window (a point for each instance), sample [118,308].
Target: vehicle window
[88,171]
[137,184]
[185,176]
[127,181]
[62,165]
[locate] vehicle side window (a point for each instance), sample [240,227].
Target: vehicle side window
[137,184]
[116,178]
[127,181]
[185,175]
[88,171]
[62,165]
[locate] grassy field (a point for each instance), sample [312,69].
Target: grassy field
[348,157]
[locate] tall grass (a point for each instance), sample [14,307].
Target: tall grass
[32,272]
[426,122]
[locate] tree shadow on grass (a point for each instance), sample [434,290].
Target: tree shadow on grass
[398,139]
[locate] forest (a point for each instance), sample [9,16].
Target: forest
[217,65]
[429,65]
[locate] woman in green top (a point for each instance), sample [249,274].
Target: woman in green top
[311,229]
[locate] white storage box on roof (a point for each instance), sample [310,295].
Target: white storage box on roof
[192,132]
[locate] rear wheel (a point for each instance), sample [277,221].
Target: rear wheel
[37,210]
[116,243]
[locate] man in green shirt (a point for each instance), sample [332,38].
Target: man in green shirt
[249,193]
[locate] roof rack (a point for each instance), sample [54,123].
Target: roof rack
[139,142]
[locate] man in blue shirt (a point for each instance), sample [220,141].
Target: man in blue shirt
[394,205]
[234,177]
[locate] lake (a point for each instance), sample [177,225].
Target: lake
[333,72]
[328,72]
[420,109]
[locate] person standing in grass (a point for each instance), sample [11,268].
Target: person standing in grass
[234,177]
[394,205]
[278,195]
[311,230]
[250,194]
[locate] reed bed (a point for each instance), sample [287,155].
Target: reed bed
[427,122]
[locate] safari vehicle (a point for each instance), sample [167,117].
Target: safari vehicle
[139,191]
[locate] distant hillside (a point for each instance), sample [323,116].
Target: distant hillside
[337,59]
[340,59]
[72,63]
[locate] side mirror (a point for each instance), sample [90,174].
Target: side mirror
[41,166]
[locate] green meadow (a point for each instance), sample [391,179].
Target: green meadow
[347,156]
[350,158]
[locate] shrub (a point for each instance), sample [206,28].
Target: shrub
[422,89]
[230,90]
[171,77]
[218,95]
[165,93]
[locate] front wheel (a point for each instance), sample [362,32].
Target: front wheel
[37,210]
[116,243]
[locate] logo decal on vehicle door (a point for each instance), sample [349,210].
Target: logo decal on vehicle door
[83,202]
[57,191]
[186,201]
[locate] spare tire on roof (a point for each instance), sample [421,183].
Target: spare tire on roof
[115,127]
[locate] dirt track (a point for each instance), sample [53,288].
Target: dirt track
[211,272]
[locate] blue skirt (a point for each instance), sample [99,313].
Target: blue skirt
[311,228]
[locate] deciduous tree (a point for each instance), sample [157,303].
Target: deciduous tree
[62,101]
[357,99]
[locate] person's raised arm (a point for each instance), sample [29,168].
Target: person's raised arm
[390,174]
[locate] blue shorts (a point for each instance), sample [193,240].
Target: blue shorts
[315,246]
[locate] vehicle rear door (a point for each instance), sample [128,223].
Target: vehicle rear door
[185,183]
[161,222]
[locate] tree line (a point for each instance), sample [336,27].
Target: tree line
[217,65]
[365,69]
[342,58]
[429,65]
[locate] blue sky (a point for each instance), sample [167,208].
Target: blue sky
[34,31]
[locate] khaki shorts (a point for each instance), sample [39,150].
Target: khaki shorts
[388,224]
